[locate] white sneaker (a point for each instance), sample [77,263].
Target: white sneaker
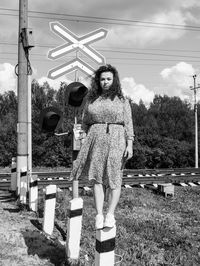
[109,220]
[99,221]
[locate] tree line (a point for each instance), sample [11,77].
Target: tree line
[165,131]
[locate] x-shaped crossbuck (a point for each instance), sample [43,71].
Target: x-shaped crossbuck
[74,43]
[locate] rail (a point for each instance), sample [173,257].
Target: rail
[130,177]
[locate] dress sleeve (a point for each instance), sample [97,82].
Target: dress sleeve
[128,120]
[85,119]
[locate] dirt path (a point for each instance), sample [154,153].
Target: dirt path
[21,240]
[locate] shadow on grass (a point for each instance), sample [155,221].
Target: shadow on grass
[38,244]
[62,232]
[37,224]
[7,197]
[12,210]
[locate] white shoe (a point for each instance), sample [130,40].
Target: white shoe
[109,220]
[99,221]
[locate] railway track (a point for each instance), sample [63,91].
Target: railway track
[131,177]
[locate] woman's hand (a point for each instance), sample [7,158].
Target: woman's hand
[129,150]
[82,136]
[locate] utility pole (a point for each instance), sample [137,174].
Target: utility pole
[22,125]
[196,120]
[25,42]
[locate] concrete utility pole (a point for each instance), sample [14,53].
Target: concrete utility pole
[24,128]
[196,120]
[22,90]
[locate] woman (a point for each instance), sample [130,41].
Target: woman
[107,121]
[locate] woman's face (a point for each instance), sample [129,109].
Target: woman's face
[106,80]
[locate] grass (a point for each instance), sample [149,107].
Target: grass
[151,230]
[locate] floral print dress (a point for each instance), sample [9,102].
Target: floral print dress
[108,124]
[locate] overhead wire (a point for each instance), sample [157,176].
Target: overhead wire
[127,61]
[121,63]
[116,21]
[114,58]
[127,49]
[124,50]
[103,18]
[137,53]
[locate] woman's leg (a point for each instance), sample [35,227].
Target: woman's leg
[99,200]
[114,199]
[98,197]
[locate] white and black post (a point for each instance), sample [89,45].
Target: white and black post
[13,183]
[105,247]
[33,193]
[49,209]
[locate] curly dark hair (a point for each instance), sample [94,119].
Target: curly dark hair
[96,90]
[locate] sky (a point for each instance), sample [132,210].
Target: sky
[154,44]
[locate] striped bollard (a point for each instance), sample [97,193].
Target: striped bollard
[23,185]
[105,247]
[75,210]
[33,193]
[13,183]
[49,209]
[74,228]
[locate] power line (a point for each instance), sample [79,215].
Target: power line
[114,19]
[144,53]
[153,49]
[121,24]
[133,52]
[121,63]
[105,18]
[112,50]
[96,19]
[109,58]
[128,52]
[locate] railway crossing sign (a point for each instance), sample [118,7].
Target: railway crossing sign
[70,67]
[75,43]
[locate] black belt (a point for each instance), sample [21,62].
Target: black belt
[107,125]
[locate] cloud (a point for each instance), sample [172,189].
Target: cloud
[150,33]
[171,11]
[136,92]
[188,4]
[8,80]
[179,79]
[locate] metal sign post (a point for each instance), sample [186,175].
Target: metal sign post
[75,43]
